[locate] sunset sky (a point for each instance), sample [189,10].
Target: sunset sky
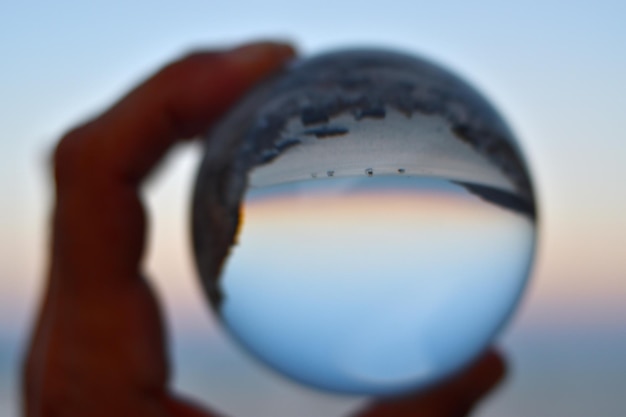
[556,70]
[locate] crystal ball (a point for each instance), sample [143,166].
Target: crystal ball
[364,222]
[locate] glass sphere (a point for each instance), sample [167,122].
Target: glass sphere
[364,222]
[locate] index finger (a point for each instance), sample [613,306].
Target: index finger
[99,223]
[181,100]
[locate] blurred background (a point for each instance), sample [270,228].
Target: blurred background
[555,69]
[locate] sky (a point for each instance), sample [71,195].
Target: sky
[403,278]
[555,70]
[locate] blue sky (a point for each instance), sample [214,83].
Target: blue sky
[555,69]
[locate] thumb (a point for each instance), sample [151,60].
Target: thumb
[454,398]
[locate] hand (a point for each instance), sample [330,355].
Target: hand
[98,347]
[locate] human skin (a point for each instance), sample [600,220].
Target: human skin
[99,346]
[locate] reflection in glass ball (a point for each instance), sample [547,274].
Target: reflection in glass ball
[364,222]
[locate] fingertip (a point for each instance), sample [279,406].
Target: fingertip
[501,363]
[480,379]
[454,397]
[493,365]
[277,50]
[257,60]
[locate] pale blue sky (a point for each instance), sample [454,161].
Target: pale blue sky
[553,67]
[556,70]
